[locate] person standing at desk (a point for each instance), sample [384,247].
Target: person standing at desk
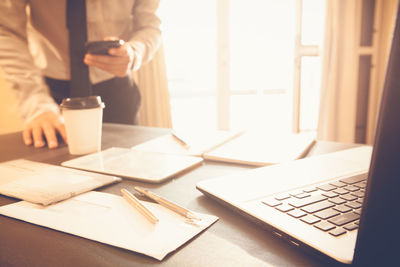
[40,68]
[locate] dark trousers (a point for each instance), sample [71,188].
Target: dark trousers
[120,96]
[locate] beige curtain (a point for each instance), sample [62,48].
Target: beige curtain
[338,105]
[338,88]
[386,13]
[151,79]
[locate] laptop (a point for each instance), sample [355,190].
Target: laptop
[341,206]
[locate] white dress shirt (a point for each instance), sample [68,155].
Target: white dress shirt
[34,43]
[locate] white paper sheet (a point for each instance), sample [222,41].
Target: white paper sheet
[44,183]
[109,219]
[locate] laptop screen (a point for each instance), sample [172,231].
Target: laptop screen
[379,232]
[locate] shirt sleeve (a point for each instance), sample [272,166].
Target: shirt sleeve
[146,33]
[17,63]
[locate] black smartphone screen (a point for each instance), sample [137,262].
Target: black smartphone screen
[101,47]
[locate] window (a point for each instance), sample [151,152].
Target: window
[244,65]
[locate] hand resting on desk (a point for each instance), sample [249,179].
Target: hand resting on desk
[45,125]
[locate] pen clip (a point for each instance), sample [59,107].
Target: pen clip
[168,204]
[133,201]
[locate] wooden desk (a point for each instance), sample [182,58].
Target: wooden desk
[232,241]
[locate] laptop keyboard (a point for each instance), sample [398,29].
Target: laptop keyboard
[334,207]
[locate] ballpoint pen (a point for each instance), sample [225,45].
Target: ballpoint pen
[131,199]
[180,140]
[168,204]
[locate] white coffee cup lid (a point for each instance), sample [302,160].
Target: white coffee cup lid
[82,102]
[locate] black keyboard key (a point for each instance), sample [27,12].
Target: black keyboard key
[298,203]
[342,208]
[282,196]
[351,226]
[310,189]
[324,226]
[358,194]
[318,206]
[337,200]
[351,188]
[310,219]
[272,202]
[297,213]
[328,213]
[329,194]
[344,218]
[340,191]
[302,195]
[362,184]
[358,211]
[296,192]
[326,187]
[354,179]
[353,205]
[337,232]
[338,184]
[348,197]
[284,207]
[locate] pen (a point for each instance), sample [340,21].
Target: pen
[168,204]
[180,139]
[139,206]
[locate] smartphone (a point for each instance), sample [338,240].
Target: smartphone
[101,47]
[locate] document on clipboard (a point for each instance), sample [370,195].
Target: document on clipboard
[142,166]
[111,220]
[44,184]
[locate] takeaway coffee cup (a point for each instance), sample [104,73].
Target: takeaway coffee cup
[83,121]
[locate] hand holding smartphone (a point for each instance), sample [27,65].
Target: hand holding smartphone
[101,47]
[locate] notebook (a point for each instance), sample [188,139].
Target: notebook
[45,184]
[142,166]
[190,143]
[342,206]
[263,148]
